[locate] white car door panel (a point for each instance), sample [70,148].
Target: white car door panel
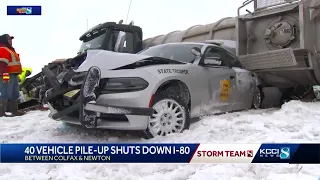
[221,83]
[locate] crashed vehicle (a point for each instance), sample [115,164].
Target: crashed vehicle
[110,36]
[157,90]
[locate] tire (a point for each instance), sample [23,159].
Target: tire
[257,98]
[167,116]
[272,97]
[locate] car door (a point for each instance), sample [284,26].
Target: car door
[220,79]
[244,84]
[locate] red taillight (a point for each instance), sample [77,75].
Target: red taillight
[151,100]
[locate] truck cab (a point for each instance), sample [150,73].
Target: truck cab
[111,36]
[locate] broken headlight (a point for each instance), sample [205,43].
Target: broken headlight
[118,85]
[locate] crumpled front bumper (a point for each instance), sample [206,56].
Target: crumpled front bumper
[99,108]
[136,117]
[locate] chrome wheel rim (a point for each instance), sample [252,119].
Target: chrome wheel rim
[168,117]
[257,98]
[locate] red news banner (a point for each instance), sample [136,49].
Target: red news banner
[225,153]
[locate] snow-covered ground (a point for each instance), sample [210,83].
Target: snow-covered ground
[294,122]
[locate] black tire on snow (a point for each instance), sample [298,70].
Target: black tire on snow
[173,96]
[261,98]
[272,97]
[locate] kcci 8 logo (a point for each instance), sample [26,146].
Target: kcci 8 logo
[282,153]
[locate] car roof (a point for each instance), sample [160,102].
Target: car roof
[180,43]
[226,44]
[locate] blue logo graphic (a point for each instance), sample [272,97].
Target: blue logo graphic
[29,10]
[23,10]
[285,153]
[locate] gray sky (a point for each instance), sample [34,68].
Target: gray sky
[55,34]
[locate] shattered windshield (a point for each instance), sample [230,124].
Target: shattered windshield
[94,41]
[178,52]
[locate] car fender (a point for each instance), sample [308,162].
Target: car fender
[256,78]
[190,78]
[165,73]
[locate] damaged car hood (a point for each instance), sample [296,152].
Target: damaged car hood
[108,60]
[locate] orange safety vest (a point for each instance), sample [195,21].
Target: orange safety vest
[12,59]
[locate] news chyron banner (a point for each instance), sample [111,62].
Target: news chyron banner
[160,153]
[23,10]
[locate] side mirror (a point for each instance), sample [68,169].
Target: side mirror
[212,61]
[196,51]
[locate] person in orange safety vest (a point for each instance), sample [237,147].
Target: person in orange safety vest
[10,68]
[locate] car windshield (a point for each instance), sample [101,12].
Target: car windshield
[94,41]
[178,52]
[119,41]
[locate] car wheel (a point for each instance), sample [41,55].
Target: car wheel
[257,98]
[171,115]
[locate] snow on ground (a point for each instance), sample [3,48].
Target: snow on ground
[295,122]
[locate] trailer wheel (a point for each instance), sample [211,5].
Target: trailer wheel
[272,97]
[257,98]
[171,115]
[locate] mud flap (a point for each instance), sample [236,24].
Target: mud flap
[88,119]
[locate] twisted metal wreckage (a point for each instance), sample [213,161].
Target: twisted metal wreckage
[278,41]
